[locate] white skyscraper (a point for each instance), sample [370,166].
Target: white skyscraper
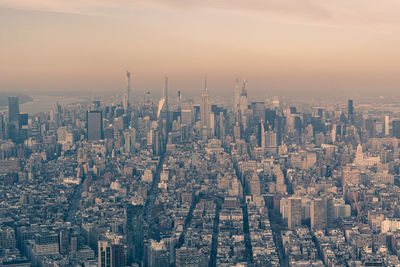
[236,104]
[386,125]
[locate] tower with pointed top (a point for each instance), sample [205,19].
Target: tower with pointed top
[166,94]
[262,133]
[205,110]
[243,105]
[179,101]
[167,113]
[243,99]
[236,104]
[127,94]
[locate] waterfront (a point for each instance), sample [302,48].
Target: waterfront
[44,103]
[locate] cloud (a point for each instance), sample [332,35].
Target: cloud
[60,6]
[294,7]
[361,12]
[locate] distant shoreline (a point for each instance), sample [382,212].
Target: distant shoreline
[35,104]
[22,98]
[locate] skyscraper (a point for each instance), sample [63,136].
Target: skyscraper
[179,101]
[13,119]
[167,114]
[294,212]
[166,94]
[270,116]
[236,104]
[127,95]
[258,109]
[2,131]
[255,185]
[333,133]
[156,254]
[23,127]
[243,99]
[370,127]
[205,110]
[350,110]
[110,255]
[396,128]
[94,125]
[318,213]
[118,255]
[329,211]
[104,254]
[270,143]
[129,140]
[134,228]
[386,125]
[261,134]
[236,131]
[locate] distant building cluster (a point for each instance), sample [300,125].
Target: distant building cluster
[203,182]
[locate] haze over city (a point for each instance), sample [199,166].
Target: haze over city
[182,133]
[292,46]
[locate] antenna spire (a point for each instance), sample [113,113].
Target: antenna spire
[166,92]
[128,89]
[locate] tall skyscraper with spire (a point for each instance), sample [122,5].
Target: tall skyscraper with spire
[243,105]
[236,104]
[243,99]
[205,111]
[127,95]
[166,94]
[179,101]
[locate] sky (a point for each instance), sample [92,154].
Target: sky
[322,46]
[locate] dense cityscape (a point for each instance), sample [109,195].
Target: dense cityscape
[264,182]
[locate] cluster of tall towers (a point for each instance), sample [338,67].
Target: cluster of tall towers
[177,122]
[16,127]
[241,103]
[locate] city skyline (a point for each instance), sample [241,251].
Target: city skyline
[182,133]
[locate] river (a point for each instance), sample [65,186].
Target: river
[44,103]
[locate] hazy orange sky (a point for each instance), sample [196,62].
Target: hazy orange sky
[309,45]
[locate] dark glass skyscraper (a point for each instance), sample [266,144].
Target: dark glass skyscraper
[350,108]
[2,132]
[350,111]
[134,228]
[396,128]
[23,127]
[13,119]
[94,125]
[370,127]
